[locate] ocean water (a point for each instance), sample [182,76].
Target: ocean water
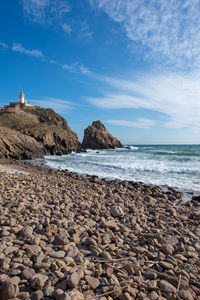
[165,165]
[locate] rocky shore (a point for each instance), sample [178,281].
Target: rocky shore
[64,236]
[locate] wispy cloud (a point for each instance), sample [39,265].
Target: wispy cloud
[84,31]
[139,123]
[175,96]
[160,29]
[17,47]
[45,11]
[59,105]
[67,29]
[77,68]
[3,45]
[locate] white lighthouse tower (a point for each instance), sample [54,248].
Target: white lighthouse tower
[22,98]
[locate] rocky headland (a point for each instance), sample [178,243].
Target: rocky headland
[98,137]
[38,131]
[65,236]
[34,133]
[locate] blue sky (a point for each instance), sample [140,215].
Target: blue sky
[134,64]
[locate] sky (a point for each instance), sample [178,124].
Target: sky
[133,64]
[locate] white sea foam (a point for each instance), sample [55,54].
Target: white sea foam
[160,165]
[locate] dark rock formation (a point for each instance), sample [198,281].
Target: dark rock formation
[34,133]
[98,137]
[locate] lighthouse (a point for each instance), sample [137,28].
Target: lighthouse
[22,98]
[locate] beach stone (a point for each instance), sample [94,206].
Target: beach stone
[92,281]
[74,279]
[26,231]
[150,275]
[8,291]
[166,265]
[105,254]
[28,273]
[129,268]
[131,291]
[166,286]
[48,291]
[57,254]
[5,262]
[116,211]
[5,233]
[185,295]
[10,250]
[125,296]
[3,278]
[58,293]
[53,228]
[32,249]
[74,295]
[90,241]
[38,295]
[38,281]
[168,249]
[13,222]
[61,238]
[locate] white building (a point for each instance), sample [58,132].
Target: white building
[22,98]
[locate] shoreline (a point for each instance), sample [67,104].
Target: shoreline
[66,235]
[187,195]
[23,164]
[183,195]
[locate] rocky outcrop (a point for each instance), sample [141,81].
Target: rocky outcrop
[36,132]
[56,140]
[98,137]
[14,144]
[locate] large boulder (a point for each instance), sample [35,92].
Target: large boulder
[98,137]
[37,131]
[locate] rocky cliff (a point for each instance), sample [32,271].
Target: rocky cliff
[34,133]
[98,137]
[14,144]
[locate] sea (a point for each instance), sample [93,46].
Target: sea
[176,166]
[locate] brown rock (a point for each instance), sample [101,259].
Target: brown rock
[166,286]
[98,137]
[74,295]
[92,281]
[8,291]
[27,231]
[116,211]
[185,295]
[34,133]
[38,295]
[28,273]
[74,279]
[61,238]
[38,281]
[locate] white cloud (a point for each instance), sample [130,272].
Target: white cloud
[3,45]
[45,11]
[84,70]
[17,47]
[52,61]
[84,31]
[77,68]
[175,96]
[139,123]
[59,105]
[66,28]
[159,28]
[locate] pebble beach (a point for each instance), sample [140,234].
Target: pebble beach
[67,236]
